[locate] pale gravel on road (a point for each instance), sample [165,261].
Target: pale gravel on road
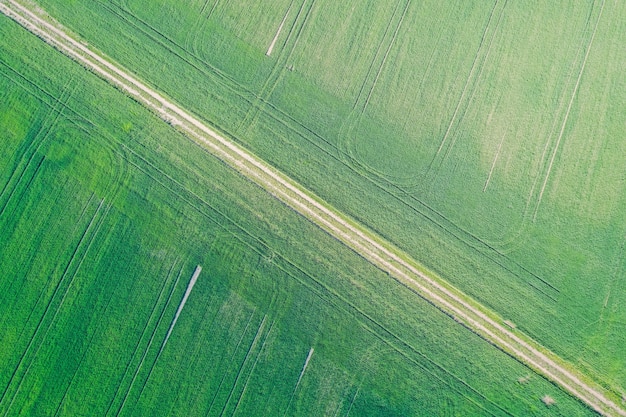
[373,248]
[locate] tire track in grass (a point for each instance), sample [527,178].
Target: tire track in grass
[231,359]
[100,324]
[203,23]
[144,332]
[31,150]
[145,352]
[361,102]
[251,349]
[382,64]
[286,52]
[191,58]
[470,100]
[356,394]
[209,321]
[495,161]
[111,191]
[188,290]
[258,356]
[567,112]
[69,274]
[376,250]
[376,328]
[482,54]
[293,393]
[280,28]
[358,104]
[533,193]
[537,283]
[387,337]
[328,149]
[358,312]
[384,184]
[193,34]
[39,322]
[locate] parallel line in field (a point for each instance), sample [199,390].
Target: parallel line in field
[382,64]
[152,366]
[357,102]
[371,247]
[280,28]
[493,164]
[256,360]
[321,290]
[567,112]
[251,348]
[231,359]
[286,52]
[40,320]
[52,117]
[471,80]
[69,274]
[293,393]
[153,313]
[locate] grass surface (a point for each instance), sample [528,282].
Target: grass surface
[120,208]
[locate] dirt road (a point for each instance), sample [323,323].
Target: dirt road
[373,248]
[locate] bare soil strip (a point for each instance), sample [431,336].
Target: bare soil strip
[371,247]
[495,160]
[293,393]
[306,363]
[280,28]
[192,282]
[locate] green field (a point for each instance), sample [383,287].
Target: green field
[483,139]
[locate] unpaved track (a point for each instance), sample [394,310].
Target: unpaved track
[371,247]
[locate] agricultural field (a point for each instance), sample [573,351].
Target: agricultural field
[144,276]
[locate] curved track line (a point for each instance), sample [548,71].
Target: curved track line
[371,247]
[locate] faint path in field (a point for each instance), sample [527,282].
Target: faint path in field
[462,105]
[55,304]
[283,59]
[192,282]
[362,100]
[293,393]
[374,249]
[567,112]
[384,60]
[153,314]
[194,32]
[280,28]
[493,164]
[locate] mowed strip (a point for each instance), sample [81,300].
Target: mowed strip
[371,247]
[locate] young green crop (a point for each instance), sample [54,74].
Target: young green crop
[160,205]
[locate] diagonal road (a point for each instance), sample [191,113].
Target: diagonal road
[371,247]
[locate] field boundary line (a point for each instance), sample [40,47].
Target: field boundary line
[371,247]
